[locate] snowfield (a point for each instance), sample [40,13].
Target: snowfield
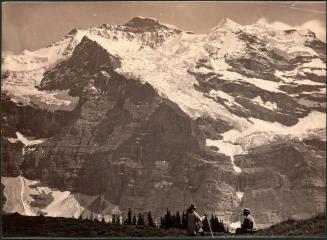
[164,66]
[20,193]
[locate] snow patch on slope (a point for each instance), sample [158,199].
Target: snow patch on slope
[240,195]
[269,105]
[21,193]
[228,149]
[26,141]
[262,132]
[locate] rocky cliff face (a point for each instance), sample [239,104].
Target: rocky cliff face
[273,178]
[127,143]
[146,116]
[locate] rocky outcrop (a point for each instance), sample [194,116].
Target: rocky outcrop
[30,121]
[243,93]
[274,183]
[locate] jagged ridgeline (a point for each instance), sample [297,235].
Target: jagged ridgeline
[149,117]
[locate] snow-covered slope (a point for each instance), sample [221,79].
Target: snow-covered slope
[163,56]
[28,197]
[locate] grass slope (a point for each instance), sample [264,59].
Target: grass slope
[310,227]
[16,225]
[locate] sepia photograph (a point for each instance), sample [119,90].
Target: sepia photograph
[163,119]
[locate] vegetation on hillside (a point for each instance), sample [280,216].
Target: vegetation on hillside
[16,225]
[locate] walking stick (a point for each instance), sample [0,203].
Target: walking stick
[205,211]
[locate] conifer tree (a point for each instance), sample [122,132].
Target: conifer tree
[205,224]
[212,223]
[140,220]
[167,219]
[222,226]
[162,222]
[150,220]
[134,221]
[173,221]
[178,221]
[184,220]
[113,219]
[129,217]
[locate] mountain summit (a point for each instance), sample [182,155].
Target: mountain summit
[147,24]
[227,23]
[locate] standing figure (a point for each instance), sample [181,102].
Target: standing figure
[194,222]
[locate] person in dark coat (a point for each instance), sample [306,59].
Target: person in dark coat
[248,224]
[194,222]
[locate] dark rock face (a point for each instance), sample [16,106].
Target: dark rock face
[212,128]
[144,24]
[261,65]
[319,47]
[274,183]
[30,121]
[288,109]
[81,68]
[11,158]
[137,149]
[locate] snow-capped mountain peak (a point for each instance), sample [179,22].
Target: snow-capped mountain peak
[226,23]
[147,24]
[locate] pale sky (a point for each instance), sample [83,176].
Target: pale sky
[34,25]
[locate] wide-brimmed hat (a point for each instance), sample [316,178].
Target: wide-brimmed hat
[192,207]
[246,210]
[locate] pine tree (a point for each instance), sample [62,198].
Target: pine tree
[184,220]
[167,219]
[150,220]
[113,219]
[162,222]
[178,221]
[129,217]
[222,226]
[140,220]
[216,224]
[205,224]
[212,223]
[134,220]
[173,221]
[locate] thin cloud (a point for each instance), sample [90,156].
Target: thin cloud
[304,9]
[314,25]
[308,10]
